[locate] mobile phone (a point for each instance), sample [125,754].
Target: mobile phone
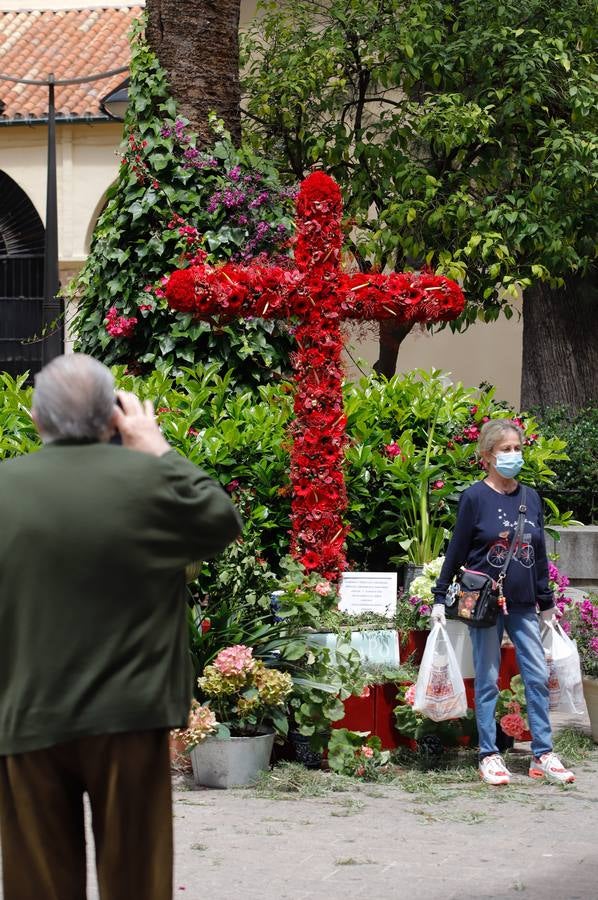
[116,437]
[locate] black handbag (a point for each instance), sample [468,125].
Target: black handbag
[474,597]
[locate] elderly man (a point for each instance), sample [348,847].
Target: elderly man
[94,665]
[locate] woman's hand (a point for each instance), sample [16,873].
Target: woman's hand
[438,614]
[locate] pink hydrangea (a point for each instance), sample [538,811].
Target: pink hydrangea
[235,660]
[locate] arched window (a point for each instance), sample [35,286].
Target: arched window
[21,279]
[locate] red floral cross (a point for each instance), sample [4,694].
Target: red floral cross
[320,296]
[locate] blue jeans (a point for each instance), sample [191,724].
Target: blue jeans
[524,630]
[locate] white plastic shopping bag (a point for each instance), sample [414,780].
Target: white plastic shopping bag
[440,691]
[564,671]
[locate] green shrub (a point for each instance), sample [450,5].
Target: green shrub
[245,445]
[575,484]
[17,431]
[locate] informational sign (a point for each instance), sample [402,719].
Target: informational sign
[363,592]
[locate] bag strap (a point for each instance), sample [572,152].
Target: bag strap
[516,537]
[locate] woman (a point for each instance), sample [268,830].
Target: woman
[486,521]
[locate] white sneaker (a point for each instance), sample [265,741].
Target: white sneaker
[550,767]
[493,770]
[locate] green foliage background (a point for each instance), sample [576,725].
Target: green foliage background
[244,444]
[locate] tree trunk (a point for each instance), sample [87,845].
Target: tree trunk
[197,42]
[560,345]
[391,335]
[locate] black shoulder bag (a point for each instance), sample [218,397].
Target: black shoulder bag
[474,597]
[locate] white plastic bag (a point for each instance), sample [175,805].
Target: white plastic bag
[440,691]
[564,671]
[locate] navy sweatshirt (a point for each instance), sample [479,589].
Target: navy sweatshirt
[486,522]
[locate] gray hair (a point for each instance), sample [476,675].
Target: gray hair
[73,399]
[492,431]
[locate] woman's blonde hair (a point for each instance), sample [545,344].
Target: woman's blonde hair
[492,431]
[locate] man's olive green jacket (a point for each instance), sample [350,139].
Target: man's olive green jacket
[94,540]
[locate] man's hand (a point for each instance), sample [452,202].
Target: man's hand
[438,614]
[137,425]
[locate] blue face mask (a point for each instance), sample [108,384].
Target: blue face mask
[509,464]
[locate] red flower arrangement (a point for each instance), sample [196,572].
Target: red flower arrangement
[320,297]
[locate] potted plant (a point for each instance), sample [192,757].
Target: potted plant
[356,754]
[231,734]
[421,733]
[413,610]
[581,622]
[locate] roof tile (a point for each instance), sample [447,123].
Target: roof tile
[69,43]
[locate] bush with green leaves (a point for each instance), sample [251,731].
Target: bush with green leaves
[17,431]
[170,204]
[574,485]
[410,454]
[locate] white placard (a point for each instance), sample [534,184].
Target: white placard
[375,592]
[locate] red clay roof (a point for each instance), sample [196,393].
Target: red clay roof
[68,43]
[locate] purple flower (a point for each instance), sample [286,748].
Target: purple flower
[425,610]
[234,173]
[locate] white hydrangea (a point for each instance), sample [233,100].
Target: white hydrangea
[432,569]
[422,585]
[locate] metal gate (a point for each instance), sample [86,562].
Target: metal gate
[21,300]
[21,280]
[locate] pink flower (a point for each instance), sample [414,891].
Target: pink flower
[513,725]
[322,588]
[119,326]
[366,751]
[471,432]
[365,692]
[392,450]
[232,486]
[235,660]
[410,695]
[360,770]
[437,485]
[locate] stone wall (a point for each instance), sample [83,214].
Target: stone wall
[577,550]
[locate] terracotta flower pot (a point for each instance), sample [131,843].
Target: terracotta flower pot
[412,644]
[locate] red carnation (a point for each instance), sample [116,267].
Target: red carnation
[180,290]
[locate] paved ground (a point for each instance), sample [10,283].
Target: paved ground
[462,841]
[427,838]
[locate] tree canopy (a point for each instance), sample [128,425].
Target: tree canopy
[463,133]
